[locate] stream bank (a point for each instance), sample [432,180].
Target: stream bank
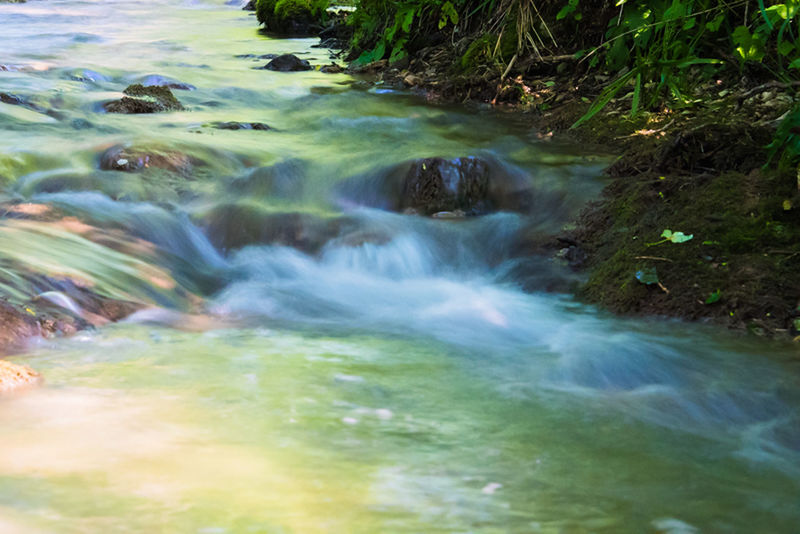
[702,170]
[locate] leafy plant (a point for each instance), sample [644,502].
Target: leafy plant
[674,237]
[652,44]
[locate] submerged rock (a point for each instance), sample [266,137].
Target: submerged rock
[135,159]
[13,376]
[288,63]
[88,76]
[240,126]
[283,180]
[236,225]
[141,99]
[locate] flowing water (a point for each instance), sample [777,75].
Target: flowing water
[385,372]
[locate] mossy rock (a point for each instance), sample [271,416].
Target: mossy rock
[265,11]
[144,99]
[291,17]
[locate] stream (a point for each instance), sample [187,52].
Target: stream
[356,369]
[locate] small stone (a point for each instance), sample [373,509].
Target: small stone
[333,68]
[288,63]
[412,80]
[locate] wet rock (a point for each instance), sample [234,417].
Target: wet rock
[333,68]
[435,185]
[235,225]
[249,6]
[141,99]
[12,100]
[13,376]
[288,63]
[16,100]
[16,325]
[155,80]
[81,124]
[89,76]
[135,159]
[240,126]
[282,180]
[471,185]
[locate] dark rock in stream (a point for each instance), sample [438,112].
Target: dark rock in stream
[434,185]
[134,159]
[333,68]
[249,6]
[12,100]
[468,185]
[288,63]
[240,126]
[236,225]
[141,99]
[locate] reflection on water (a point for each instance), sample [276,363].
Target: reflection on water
[335,367]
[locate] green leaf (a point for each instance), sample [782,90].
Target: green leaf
[398,52]
[637,95]
[749,47]
[785,48]
[680,237]
[647,276]
[448,12]
[714,297]
[715,23]
[606,96]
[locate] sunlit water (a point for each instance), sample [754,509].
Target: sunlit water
[392,378]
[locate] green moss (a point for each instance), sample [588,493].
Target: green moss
[478,53]
[485,50]
[161,96]
[287,11]
[290,16]
[265,11]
